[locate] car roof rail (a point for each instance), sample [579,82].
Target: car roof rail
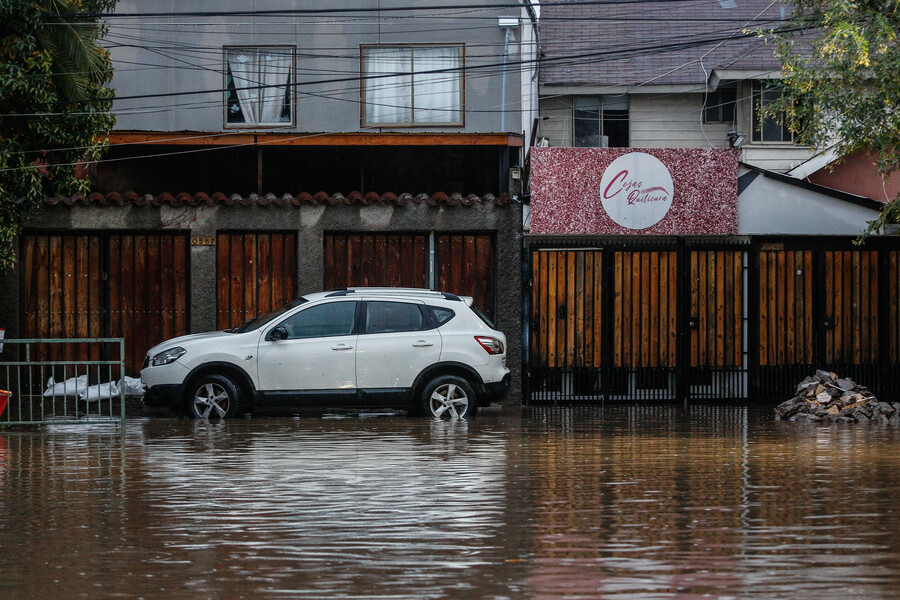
[393,291]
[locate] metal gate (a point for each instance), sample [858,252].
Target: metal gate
[678,319]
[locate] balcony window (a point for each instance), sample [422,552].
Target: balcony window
[412,85]
[258,83]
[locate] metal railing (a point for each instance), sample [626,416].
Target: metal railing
[49,382]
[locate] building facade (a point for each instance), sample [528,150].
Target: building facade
[262,154]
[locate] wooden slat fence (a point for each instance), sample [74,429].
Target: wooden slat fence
[566,294]
[645,309]
[893,311]
[850,290]
[148,299]
[786,298]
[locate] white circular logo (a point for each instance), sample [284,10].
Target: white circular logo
[636,190]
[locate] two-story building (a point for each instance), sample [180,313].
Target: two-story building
[679,246]
[267,152]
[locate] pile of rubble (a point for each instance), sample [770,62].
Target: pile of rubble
[826,397]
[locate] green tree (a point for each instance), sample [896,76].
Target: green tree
[54,104]
[841,80]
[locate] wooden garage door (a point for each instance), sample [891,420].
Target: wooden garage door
[148,292]
[105,285]
[62,284]
[466,266]
[376,260]
[255,275]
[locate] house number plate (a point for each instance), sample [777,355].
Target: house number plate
[203,241]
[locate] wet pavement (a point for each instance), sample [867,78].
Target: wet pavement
[649,502]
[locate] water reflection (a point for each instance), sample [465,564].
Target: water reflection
[557,503]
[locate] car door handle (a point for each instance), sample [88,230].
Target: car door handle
[422,344]
[342,347]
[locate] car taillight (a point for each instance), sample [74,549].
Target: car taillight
[491,344]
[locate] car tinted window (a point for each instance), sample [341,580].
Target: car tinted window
[441,315]
[389,317]
[261,320]
[483,317]
[323,320]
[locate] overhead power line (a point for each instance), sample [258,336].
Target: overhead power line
[587,56]
[354,10]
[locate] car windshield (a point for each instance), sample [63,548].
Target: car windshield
[261,320]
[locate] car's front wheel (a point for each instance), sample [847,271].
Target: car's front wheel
[448,397]
[213,397]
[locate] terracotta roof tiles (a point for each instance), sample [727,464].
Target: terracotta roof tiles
[319,198]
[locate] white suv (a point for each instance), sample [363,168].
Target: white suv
[431,352]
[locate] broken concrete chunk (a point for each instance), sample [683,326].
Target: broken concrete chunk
[825,396]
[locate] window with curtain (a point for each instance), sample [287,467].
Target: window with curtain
[412,85]
[258,81]
[600,121]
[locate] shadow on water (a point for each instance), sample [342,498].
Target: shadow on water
[639,502]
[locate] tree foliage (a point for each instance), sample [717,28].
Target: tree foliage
[841,80]
[54,104]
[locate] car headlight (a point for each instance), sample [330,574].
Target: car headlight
[168,356]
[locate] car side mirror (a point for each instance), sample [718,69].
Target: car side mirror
[278,334]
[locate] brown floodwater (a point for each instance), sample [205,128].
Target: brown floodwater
[638,502]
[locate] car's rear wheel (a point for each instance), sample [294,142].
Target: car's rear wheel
[448,397]
[213,397]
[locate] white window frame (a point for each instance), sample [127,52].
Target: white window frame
[604,103]
[756,109]
[370,79]
[289,84]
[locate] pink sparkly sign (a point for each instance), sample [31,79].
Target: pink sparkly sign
[629,191]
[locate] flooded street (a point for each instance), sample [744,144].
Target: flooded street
[545,503]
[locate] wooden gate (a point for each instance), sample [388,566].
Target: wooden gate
[255,274]
[376,260]
[462,264]
[63,293]
[818,309]
[639,319]
[105,285]
[636,321]
[716,324]
[466,265]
